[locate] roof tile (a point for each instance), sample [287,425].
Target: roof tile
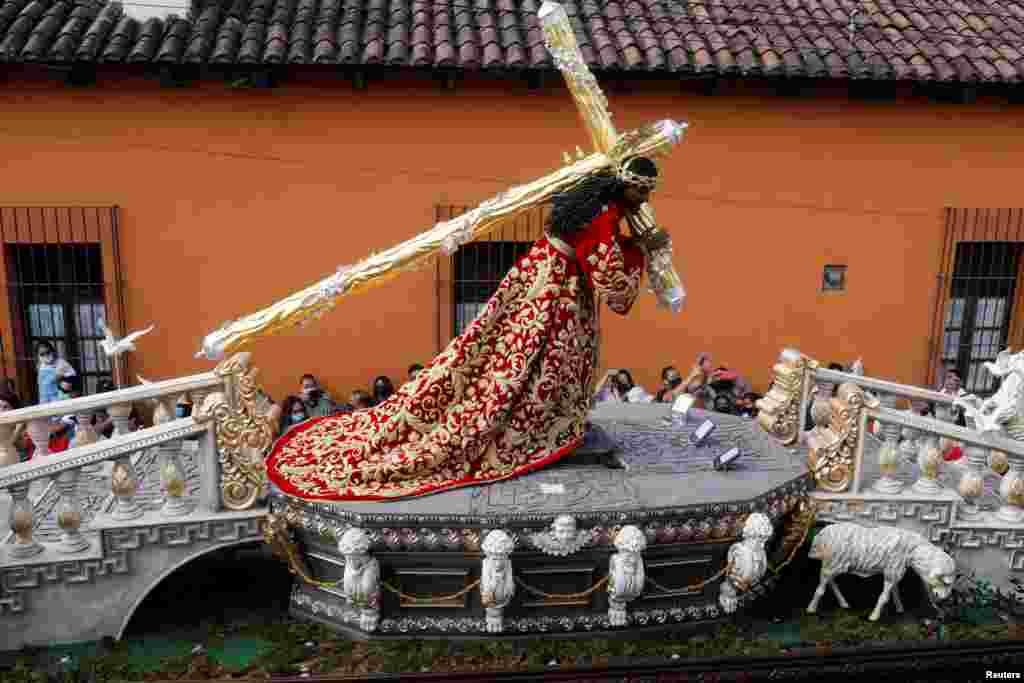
[69,37]
[203,34]
[300,39]
[172,45]
[42,35]
[150,35]
[250,50]
[9,11]
[97,33]
[325,37]
[945,40]
[225,49]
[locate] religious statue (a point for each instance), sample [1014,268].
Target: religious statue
[497,582]
[747,561]
[562,539]
[511,393]
[361,580]
[626,575]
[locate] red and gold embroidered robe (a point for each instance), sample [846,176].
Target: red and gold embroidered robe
[507,396]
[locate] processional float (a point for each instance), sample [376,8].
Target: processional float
[611,151]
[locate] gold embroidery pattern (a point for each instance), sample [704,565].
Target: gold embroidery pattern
[506,396]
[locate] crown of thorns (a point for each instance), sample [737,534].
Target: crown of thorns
[636,179]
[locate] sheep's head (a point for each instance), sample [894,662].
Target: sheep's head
[936,568]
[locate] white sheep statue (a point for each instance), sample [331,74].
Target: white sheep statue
[849,548]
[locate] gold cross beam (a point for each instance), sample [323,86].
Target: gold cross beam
[593,108]
[611,149]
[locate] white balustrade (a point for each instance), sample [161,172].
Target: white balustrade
[87,454]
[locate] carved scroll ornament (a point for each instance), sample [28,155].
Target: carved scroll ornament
[833,460]
[779,410]
[244,434]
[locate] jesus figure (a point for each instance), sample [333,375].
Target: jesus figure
[510,394]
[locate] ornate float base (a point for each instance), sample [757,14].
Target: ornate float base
[424,573]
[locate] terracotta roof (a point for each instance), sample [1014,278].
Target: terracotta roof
[966,41]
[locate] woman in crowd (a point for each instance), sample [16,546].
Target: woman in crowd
[618,386]
[51,369]
[382,389]
[293,411]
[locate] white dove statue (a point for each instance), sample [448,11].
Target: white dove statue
[115,347]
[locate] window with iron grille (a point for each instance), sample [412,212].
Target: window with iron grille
[978,311]
[62,275]
[479,268]
[60,289]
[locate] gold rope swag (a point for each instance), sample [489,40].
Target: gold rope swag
[430,598]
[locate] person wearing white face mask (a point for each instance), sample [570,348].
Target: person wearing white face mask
[51,370]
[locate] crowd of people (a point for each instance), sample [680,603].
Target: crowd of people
[313,400]
[715,388]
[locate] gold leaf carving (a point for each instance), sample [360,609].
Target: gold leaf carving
[779,410]
[833,454]
[244,434]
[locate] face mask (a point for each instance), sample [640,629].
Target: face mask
[62,395]
[675,382]
[181,411]
[297,418]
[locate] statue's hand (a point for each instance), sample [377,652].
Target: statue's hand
[654,239]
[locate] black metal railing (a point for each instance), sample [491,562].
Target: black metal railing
[62,278]
[977,309]
[467,280]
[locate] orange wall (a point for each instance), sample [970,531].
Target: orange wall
[231,199]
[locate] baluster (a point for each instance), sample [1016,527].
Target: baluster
[929,462]
[39,432]
[1011,490]
[8,450]
[889,454]
[69,514]
[85,435]
[972,483]
[172,472]
[124,482]
[172,480]
[23,523]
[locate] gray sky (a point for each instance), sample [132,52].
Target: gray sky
[155,8]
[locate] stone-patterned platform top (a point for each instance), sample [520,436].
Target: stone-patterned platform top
[663,471]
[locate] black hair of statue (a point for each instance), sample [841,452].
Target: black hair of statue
[575,208]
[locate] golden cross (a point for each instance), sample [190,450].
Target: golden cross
[610,151]
[593,108]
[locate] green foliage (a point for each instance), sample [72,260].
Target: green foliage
[297,646]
